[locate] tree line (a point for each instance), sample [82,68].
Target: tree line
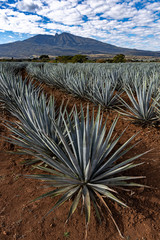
[83,58]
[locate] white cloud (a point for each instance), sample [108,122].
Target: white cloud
[19,22]
[113,21]
[154,6]
[28,5]
[120,11]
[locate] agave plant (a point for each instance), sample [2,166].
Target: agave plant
[86,165]
[36,117]
[78,154]
[34,111]
[157,105]
[97,82]
[14,91]
[77,85]
[103,93]
[142,109]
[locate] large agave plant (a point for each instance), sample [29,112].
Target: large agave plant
[36,117]
[142,107]
[79,155]
[34,111]
[86,166]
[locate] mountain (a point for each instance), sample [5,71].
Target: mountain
[64,44]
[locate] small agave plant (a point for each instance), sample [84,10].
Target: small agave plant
[103,93]
[87,167]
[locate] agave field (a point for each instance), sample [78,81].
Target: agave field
[79,151]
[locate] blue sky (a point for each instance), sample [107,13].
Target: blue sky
[130,23]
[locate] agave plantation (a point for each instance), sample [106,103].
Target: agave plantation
[76,151]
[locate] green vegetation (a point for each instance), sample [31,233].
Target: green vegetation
[119,58]
[72,59]
[63,59]
[80,58]
[66,234]
[44,57]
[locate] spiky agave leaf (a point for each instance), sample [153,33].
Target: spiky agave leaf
[103,92]
[86,165]
[143,107]
[34,111]
[77,85]
[15,92]
[35,120]
[157,105]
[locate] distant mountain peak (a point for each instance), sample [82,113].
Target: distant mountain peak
[64,44]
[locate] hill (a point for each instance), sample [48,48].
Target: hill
[64,44]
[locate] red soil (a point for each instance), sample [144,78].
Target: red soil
[20,219]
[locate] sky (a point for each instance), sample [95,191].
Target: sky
[129,23]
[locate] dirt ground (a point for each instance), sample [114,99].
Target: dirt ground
[21,219]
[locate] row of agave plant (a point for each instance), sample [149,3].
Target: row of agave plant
[78,155]
[107,85]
